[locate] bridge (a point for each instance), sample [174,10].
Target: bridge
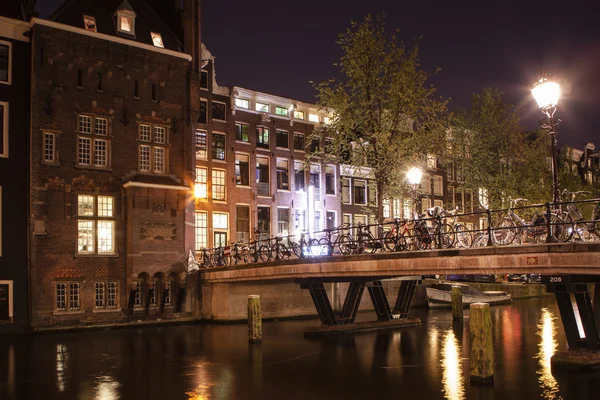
[566,268]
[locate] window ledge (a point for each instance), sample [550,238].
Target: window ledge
[220,201]
[51,164]
[40,233]
[7,321]
[263,148]
[283,190]
[243,187]
[331,195]
[282,148]
[108,169]
[56,312]
[219,120]
[300,151]
[263,197]
[300,191]
[219,161]
[106,310]
[242,142]
[83,255]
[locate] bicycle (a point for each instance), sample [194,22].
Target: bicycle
[331,243]
[219,259]
[303,248]
[464,238]
[574,220]
[365,241]
[206,258]
[440,234]
[279,251]
[400,237]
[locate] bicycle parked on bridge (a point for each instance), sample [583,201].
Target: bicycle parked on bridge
[463,235]
[576,226]
[332,240]
[440,235]
[364,242]
[278,250]
[401,237]
[303,248]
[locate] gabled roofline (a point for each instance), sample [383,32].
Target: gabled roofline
[14,29]
[110,38]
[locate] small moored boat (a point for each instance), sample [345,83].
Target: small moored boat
[440,295]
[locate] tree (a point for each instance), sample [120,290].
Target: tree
[385,115]
[491,150]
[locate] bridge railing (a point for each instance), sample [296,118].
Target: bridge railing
[433,230]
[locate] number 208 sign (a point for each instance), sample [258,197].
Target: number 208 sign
[555,279]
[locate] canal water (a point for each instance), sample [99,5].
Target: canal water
[215,362]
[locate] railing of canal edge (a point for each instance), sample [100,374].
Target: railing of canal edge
[433,230]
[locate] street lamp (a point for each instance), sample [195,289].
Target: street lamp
[547,92]
[414,179]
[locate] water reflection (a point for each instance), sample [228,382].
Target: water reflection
[106,388]
[452,368]
[547,348]
[62,363]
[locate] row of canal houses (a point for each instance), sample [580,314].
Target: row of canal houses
[121,157]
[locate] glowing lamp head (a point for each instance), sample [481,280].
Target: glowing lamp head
[546,93]
[199,191]
[414,176]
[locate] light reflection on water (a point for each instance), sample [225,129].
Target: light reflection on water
[62,363]
[106,388]
[452,368]
[546,349]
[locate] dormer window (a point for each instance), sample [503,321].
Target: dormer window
[157,39]
[125,19]
[89,23]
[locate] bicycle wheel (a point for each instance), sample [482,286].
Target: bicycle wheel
[389,241]
[463,236]
[504,232]
[226,261]
[296,250]
[370,244]
[325,242]
[264,253]
[283,252]
[446,236]
[346,245]
[568,227]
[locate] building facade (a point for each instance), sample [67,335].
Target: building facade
[14,139]
[111,174]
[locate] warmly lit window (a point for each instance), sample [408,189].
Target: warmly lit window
[398,208]
[50,155]
[262,137]
[5,63]
[242,103]
[68,296]
[157,39]
[386,208]
[242,169]
[262,107]
[425,204]
[329,179]
[218,111]
[330,219]
[242,223]
[201,230]
[425,186]
[218,146]
[95,224]
[283,221]
[299,176]
[438,185]
[431,161]
[218,184]
[281,111]
[313,117]
[346,193]
[327,120]
[283,169]
[262,176]
[315,177]
[200,144]
[201,185]
[298,114]
[89,23]
[281,139]
[125,23]
[299,141]
[152,149]
[168,297]
[92,142]
[153,294]
[220,220]
[242,132]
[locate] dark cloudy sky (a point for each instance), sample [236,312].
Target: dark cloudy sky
[279,46]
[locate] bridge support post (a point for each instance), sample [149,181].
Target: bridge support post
[406,293]
[380,301]
[352,302]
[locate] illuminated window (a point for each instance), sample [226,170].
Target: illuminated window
[438,185]
[431,161]
[281,111]
[93,146]
[313,117]
[386,208]
[283,221]
[242,223]
[218,146]
[262,107]
[327,120]
[283,170]
[95,224]
[242,132]
[262,137]
[242,103]
[89,23]
[200,144]
[298,114]
[157,39]
[242,169]
[220,220]
[125,22]
[201,230]
[200,185]
[218,184]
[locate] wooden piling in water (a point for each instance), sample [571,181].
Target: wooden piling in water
[482,349]
[457,303]
[254,320]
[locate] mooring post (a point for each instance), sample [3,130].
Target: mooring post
[482,349]
[457,303]
[254,319]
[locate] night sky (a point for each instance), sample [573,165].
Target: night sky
[279,46]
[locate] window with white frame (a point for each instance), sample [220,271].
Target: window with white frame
[218,184]
[360,192]
[262,176]
[218,146]
[261,107]
[425,184]
[283,221]
[438,185]
[201,184]
[242,103]
[126,22]
[3,129]
[298,114]
[386,208]
[200,144]
[346,192]
[283,171]
[299,180]
[330,222]
[242,223]
[220,220]
[95,224]
[5,62]
[281,111]
[425,204]
[242,132]
[201,230]
[242,169]
[68,296]
[157,39]
[397,208]
[218,111]
[93,141]
[327,120]
[431,161]
[330,179]
[152,156]
[105,295]
[138,299]
[262,137]
[168,296]
[313,117]
[89,23]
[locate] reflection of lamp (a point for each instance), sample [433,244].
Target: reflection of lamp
[414,176]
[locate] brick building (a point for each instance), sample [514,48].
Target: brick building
[111,167]
[14,138]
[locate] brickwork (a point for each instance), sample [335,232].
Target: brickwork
[74,75]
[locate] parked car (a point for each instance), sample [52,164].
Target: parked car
[526,278]
[473,278]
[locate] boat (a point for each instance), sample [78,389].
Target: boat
[440,295]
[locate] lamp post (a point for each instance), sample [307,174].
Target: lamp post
[546,93]
[414,179]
